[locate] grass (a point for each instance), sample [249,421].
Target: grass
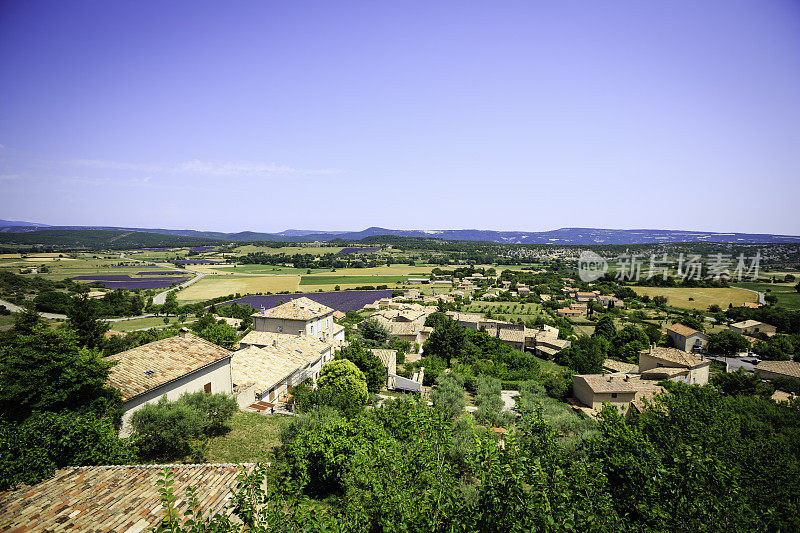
[140,323]
[362,280]
[251,439]
[549,367]
[702,298]
[785,292]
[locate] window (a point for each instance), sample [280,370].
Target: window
[613,394]
[207,388]
[271,395]
[312,329]
[280,329]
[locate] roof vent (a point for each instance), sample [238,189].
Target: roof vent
[148,372]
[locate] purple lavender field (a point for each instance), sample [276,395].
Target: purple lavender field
[359,250]
[339,300]
[154,273]
[127,282]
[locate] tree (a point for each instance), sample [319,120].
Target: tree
[217,409]
[727,342]
[374,331]
[448,395]
[85,320]
[741,382]
[447,341]
[48,371]
[27,320]
[370,364]
[660,301]
[692,322]
[220,334]
[342,385]
[170,306]
[605,328]
[771,299]
[490,402]
[585,355]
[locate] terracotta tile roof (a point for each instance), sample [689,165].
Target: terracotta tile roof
[298,309]
[388,358]
[675,356]
[599,383]
[338,315]
[619,366]
[786,368]
[151,365]
[682,330]
[748,324]
[511,335]
[269,365]
[113,498]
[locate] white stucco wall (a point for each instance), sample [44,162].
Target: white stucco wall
[218,374]
[318,327]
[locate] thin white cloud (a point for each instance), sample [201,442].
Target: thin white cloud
[9,177]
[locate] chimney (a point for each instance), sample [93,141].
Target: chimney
[183,332]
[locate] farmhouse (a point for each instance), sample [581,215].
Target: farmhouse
[778,370]
[269,372]
[671,363]
[687,339]
[753,326]
[171,367]
[570,312]
[594,390]
[115,498]
[301,316]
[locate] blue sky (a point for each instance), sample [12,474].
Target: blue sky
[427,115]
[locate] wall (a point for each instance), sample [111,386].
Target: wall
[218,374]
[321,326]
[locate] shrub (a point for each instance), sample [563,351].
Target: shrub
[448,395]
[169,430]
[217,409]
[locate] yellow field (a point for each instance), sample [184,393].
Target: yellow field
[702,298]
[10,256]
[213,286]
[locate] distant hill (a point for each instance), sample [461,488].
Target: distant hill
[7,223]
[95,238]
[564,236]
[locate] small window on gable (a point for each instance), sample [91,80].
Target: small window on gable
[280,329]
[207,388]
[613,394]
[312,330]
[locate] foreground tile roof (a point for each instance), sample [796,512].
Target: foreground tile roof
[113,498]
[156,363]
[298,309]
[619,366]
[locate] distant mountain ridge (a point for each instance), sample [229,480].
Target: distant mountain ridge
[563,236]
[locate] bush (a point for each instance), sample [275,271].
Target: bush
[218,409]
[448,395]
[169,430]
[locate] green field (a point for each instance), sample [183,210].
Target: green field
[508,310]
[785,292]
[140,323]
[268,269]
[288,250]
[362,280]
[250,441]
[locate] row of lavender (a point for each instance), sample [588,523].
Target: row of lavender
[339,300]
[126,282]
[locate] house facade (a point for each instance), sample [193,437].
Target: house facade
[687,339]
[749,327]
[300,316]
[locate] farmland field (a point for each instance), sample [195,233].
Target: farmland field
[702,297]
[785,292]
[215,286]
[140,323]
[288,250]
[360,280]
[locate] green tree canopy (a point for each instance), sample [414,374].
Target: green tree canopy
[48,371]
[342,385]
[370,364]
